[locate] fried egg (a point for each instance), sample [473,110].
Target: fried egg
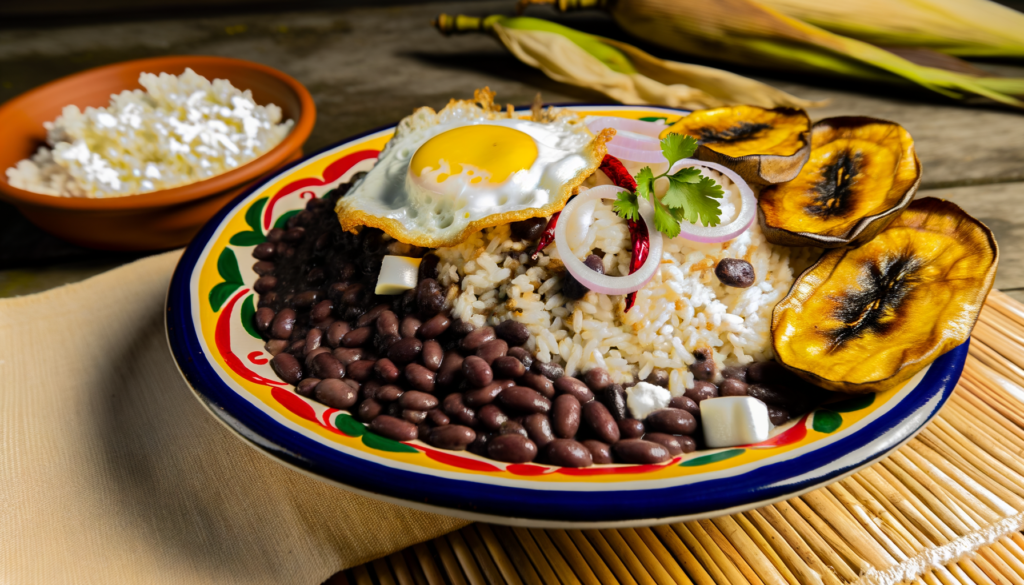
[447,174]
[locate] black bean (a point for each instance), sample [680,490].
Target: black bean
[630,428]
[453,437]
[574,387]
[461,328]
[405,350]
[313,338]
[658,378]
[264,318]
[265,284]
[528,229]
[387,393]
[772,395]
[284,324]
[368,410]
[454,407]
[479,445]
[325,366]
[297,346]
[393,428]
[410,326]
[474,340]
[565,416]
[265,251]
[275,235]
[347,355]
[382,343]
[736,373]
[491,416]
[432,354]
[508,367]
[569,453]
[361,370]
[437,417]
[484,395]
[354,295]
[539,383]
[549,370]
[283,250]
[572,289]
[387,370]
[417,400]
[268,300]
[614,397]
[701,390]
[512,427]
[685,403]
[419,377]
[674,421]
[601,421]
[429,297]
[766,372]
[597,379]
[735,272]
[476,372]
[336,394]
[538,428]
[295,234]
[287,367]
[522,355]
[513,332]
[357,337]
[670,442]
[687,443]
[434,326]
[276,346]
[641,451]
[387,323]
[306,299]
[600,452]
[450,372]
[777,415]
[370,317]
[428,267]
[525,400]
[263,268]
[306,387]
[492,350]
[336,331]
[732,387]
[321,310]
[513,448]
[704,367]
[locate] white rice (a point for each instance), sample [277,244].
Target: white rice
[682,309]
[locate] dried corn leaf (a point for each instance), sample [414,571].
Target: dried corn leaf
[618,70]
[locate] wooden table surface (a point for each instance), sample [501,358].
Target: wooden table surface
[368,67]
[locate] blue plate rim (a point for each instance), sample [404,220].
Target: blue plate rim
[517,505]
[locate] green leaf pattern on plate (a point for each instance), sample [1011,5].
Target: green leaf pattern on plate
[826,421]
[712,458]
[227,267]
[254,236]
[248,314]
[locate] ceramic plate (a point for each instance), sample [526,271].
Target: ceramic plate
[209,322]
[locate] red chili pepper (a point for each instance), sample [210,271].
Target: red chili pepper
[547,237]
[638,234]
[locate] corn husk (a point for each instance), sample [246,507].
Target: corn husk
[753,34]
[967,28]
[618,70]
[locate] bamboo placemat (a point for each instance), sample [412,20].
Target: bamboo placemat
[947,508]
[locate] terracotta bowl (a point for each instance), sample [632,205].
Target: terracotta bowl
[160,219]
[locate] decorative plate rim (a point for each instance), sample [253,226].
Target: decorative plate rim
[524,502]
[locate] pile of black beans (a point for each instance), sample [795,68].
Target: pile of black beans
[404,367]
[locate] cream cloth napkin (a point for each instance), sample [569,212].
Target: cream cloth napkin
[112,472]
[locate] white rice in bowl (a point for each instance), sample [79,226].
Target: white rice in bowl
[683,309]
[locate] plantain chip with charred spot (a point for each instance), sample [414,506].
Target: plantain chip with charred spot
[867,319]
[762,146]
[861,174]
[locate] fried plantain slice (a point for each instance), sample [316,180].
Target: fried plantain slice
[861,174]
[867,319]
[762,146]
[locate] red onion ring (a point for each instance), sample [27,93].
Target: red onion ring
[696,232]
[602,283]
[652,129]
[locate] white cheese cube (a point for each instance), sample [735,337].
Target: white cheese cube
[729,421]
[645,398]
[397,275]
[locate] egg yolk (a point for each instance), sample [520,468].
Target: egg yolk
[480,153]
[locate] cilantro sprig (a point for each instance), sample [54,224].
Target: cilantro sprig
[690,197]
